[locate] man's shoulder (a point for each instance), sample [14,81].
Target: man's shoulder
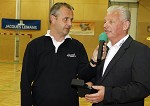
[39,39]
[139,44]
[77,42]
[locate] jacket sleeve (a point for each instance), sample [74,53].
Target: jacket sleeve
[139,87]
[86,72]
[27,75]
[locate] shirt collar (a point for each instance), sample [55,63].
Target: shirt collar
[119,43]
[48,34]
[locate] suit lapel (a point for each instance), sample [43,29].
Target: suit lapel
[117,56]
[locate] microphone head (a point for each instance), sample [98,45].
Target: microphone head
[103,36]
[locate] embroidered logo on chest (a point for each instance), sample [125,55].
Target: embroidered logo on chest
[71,55]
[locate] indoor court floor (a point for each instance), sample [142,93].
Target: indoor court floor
[10,88]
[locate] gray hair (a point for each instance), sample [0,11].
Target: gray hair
[125,13]
[57,6]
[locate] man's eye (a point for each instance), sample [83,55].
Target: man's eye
[111,22]
[65,19]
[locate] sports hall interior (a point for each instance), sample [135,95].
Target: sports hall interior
[13,41]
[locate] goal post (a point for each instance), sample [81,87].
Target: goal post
[12,46]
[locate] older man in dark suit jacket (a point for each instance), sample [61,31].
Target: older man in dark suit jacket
[123,78]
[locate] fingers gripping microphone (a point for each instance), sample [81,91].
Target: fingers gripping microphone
[102,39]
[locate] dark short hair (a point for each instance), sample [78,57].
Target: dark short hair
[58,5]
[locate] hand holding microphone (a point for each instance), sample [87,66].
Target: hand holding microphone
[100,51]
[102,46]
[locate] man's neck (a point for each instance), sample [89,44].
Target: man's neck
[57,37]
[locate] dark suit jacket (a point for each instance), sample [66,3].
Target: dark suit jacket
[127,77]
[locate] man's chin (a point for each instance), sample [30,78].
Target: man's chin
[66,32]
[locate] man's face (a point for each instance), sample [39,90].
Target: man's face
[63,21]
[113,25]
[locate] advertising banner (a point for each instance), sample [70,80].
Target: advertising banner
[21,24]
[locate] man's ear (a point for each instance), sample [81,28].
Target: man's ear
[52,18]
[126,25]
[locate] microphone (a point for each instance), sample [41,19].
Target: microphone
[102,39]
